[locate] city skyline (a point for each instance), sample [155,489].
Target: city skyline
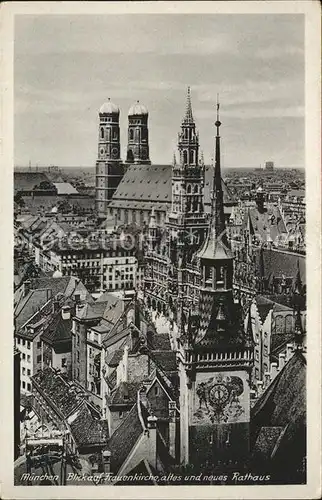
[67,66]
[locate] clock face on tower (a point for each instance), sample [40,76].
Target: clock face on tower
[220,398]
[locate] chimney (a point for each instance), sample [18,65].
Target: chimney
[172,428]
[26,287]
[55,305]
[259,387]
[267,379]
[273,370]
[143,394]
[66,312]
[152,429]
[289,351]
[106,458]
[125,363]
[252,394]
[281,361]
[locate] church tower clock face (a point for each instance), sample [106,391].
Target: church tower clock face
[219,394]
[220,398]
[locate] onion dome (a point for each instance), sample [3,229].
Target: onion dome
[109,108]
[138,110]
[57,274]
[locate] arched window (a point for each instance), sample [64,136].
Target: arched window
[191,157]
[185,157]
[131,134]
[102,133]
[196,189]
[189,189]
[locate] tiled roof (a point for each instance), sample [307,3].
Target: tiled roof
[279,341]
[125,393]
[59,330]
[103,327]
[266,441]
[114,357]
[278,263]
[46,203]
[88,431]
[57,390]
[124,438]
[91,311]
[64,285]
[284,401]
[153,183]
[29,306]
[264,305]
[165,360]
[278,423]
[159,342]
[65,188]
[26,181]
[269,220]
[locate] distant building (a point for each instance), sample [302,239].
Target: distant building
[269,166]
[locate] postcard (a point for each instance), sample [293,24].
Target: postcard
[161,265]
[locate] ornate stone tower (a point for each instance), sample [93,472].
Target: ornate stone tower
[138,135]
[187,221]
[109,167]
[215,355]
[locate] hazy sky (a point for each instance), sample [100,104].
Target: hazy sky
[67,66]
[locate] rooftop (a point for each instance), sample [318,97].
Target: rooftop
[55,388]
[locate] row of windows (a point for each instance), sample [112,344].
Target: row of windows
[24,385]
[28,357]
[24,342]
[24,371]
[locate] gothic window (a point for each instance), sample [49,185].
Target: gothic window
[102,133]
[189,189]
[191,157]
[196,189]
[220,275]
[289,324]
[208,275]
[279,324]
[185,157]
[131,134]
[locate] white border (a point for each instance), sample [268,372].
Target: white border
[311,9]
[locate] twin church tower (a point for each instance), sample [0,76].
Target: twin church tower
[109,166]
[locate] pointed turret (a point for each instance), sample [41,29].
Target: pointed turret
[188,116]
[298,331]
[298,282]
[216,245]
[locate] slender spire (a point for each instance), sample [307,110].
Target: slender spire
[218,217]
[174,158]
[188,116]
[249,327]
[298,281]
[216,244]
